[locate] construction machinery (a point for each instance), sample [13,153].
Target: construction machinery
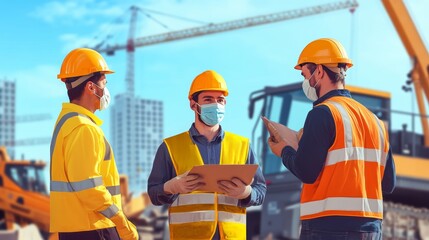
[23,194]
[406,214]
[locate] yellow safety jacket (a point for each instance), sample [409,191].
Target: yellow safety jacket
[350,182]
[196,215]
[84,188]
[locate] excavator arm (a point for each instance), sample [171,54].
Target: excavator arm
[417,50]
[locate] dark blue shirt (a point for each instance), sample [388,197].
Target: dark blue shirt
[307,163]
[163,170]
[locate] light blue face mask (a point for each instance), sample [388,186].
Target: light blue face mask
[212,114]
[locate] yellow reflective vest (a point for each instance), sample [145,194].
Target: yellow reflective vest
[84,186]
[196,215]
[350,182]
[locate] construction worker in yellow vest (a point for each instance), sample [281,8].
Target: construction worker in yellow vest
[85,194]
[195,214]
[343,157]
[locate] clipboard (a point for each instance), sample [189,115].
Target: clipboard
[212,173]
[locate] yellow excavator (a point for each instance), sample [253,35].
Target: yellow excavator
[23,194]
[406,210]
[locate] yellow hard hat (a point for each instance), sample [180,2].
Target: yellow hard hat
[81,62]
[326,51]
[208,81]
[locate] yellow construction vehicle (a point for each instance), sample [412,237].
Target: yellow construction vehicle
[23,194]
[406,210]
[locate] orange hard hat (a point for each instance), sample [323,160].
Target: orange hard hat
[326,51]
[81,62]
[208,81]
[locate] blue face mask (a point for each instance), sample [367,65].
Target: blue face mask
[212,114]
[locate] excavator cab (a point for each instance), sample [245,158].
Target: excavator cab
[30,177]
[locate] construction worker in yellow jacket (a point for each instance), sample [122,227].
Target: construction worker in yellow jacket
[85,194]
[195,214]
[343,157]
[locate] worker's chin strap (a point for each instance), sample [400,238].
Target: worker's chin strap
[78,81]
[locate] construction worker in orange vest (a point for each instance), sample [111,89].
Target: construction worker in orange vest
[195,214]
[85,193]
[343,157]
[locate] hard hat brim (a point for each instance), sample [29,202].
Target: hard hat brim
[64,76]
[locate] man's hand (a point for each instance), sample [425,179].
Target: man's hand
[277,144]
[235,188]
[183,183]
[126,229]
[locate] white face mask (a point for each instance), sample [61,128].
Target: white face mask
[105,99]
[308,90]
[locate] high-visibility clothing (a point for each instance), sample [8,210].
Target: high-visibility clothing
[85,191]
[196,215]
[350,182]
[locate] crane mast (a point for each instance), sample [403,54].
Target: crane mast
[131,50]
[417,50]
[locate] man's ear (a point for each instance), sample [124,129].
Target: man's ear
[320,71]
[89,86]
[192,104]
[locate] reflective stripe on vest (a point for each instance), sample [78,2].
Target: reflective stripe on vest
[59,186]
[232,217]
[355,153]
[58,127]
[114,190]
[189,217]
[110,211]
[57,130]
[204,216]
[107,153]
[342,204]
[203,198]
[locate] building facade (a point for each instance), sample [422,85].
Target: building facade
[136,133]
[7,115]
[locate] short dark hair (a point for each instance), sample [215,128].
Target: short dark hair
[76,93]
[195,96]
[333,76]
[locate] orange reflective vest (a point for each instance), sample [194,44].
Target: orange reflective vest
[196,215]
[350,182]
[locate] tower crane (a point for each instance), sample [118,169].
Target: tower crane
[211,28]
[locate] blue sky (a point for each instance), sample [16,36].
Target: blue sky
[36,35]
